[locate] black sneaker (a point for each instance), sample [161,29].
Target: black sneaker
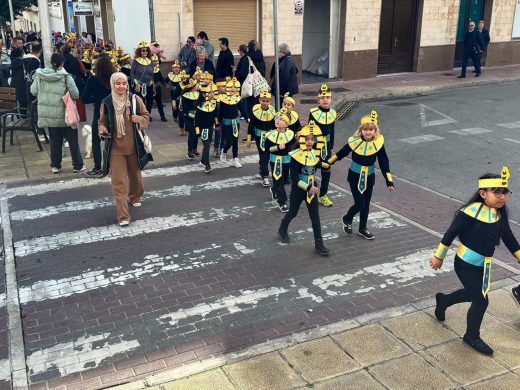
[320,248]
[366,234]
[440,310]
[347,228]
[163,119]
[478,345]
[515,292]
[283,235]
[190,156]
[208,169]
[95,173]
[283,208]
[196,153]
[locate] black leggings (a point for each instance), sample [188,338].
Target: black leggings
[148,99]
[205,149]
[361,205]
[96,143]
[471,278]
[158,101]
[263,161]
[278,186]
[325,175]
[193,140]
[296,198]
[231,140]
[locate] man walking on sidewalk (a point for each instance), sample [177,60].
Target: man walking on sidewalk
[473,45]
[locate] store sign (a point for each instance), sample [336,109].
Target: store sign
[83,9]
[298,7]
[516,22]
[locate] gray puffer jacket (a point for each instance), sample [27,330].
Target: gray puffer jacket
[49,86]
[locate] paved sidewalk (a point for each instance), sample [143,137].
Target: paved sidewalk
[22,161]
[400,348]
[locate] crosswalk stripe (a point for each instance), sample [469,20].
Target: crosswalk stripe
[183,190]
[136,228]
[511,125]
[38,189]
[421,138]
[471,131]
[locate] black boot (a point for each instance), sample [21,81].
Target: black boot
[282,234]
[440,310]
[478,345]
[320,248]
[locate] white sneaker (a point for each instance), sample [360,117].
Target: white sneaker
[136,204]
[236,163]
[55,170]
[265,182]
[41,137]
[223,157]
[66,144]
[82,169]
[124,222]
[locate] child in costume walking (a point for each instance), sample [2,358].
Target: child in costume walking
[219,142]
[479,225]
[175,78]
[366,145]
[325,117]
[158,79]
[189,106]
[304,163]
[279,142]
[262,122]
[205,120]
[289,104]
[230,105]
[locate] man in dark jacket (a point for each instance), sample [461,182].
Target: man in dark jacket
[473,46]
[226,61]
[485,37]
[288,73]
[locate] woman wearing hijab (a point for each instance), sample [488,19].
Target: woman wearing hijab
[125,154]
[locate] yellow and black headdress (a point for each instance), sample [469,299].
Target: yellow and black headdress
[311,129]
[198,73]
[124,57]
[143,44]
[289,99]
[264,93]
[210,87]
[324,91]
[190,83]
[233,83]
[373,118]
[176,65]
[207,76]
[283,114]
[184,75]
[221,83]
[154,43]
[501,182]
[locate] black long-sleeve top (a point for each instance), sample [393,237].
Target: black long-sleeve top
[189,104]
[94,92]
[479,228]
[473,41]
[325,118]
[261,119]
[158,79]
[273,140]
[365,153]
[206,115]
[296,168]
[229,109]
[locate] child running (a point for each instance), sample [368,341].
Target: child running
[303,166]
[479,225]
[366,145]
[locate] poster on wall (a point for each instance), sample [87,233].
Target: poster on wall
[516,22]
[99,28]
[298,7]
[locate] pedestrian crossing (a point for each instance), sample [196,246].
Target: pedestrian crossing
[199,260]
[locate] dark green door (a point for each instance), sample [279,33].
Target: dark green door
[469,10]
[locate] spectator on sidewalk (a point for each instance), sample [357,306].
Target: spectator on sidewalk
[485,37]
[242,68]
[210,49]
[17,43]
[187,54]
[472,47]
[18,78]
[256,55]
[226,61]
[288,73]
[205,64]
[49,86]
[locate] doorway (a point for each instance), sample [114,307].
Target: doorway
[469,10]
[322,40]
[397,36]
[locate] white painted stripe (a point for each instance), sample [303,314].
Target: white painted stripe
[2,300]
[438,122]
[247,299]
[136,228]
[5,370]
[471,131]
[183,190]
[421,138]
[39,189]
[404,269]
[82,354]
[512,140]
[511,125]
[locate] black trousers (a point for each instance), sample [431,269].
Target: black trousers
[278,186]
[475,58]
[325,175]
[96,143]
[206,146]
[148,99]
[56,135]
[230,140]
[175,111]
[193,140]
[471,278]
[296,198]
[263,159]
[361,205]
[157,97]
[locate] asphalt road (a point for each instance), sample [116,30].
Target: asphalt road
[461,137]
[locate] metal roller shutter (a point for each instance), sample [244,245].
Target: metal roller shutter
[235,20]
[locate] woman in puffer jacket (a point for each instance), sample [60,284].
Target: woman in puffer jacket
[49,86]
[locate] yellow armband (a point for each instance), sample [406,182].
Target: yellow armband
[441,251]
[249,138]
[517,255]
[333,159]
[389,177]
[303,185]
[197,131]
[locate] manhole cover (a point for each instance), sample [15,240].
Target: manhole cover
[345,109]
[400,104]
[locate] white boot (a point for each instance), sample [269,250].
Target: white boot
[223,156]
[236,163]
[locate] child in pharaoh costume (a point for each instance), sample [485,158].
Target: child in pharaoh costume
[205,121]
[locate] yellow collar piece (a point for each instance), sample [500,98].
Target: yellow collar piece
[501,182]
[208,106]
[175,78]
[280,138]
[366,148]
[481,212]
[263,115]
[191,95]
[143,61]
[294,117]
[230,99]
[322,117]
[305,157]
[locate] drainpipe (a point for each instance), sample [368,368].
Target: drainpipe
[152,20]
